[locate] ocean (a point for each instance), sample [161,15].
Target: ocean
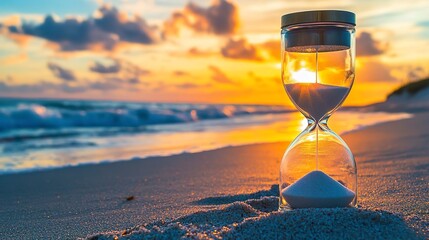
[44,134]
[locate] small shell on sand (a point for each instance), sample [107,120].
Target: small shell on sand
[317,190]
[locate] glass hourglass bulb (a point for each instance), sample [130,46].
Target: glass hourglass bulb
[318,168]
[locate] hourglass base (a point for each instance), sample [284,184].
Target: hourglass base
[284,206]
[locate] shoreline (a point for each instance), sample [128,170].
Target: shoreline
[180,152]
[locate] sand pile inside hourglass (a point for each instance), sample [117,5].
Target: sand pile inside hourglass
[317,190]
[316,99]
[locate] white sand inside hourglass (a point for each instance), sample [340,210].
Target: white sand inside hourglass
[317,190]
[316,99]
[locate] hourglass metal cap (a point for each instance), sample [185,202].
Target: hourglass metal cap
[336,16]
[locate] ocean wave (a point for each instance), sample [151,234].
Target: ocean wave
[17,137]
[14,148]
[51,114]
[55,133]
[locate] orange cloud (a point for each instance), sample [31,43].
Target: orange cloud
[19,39]
[270,50]
[219,76]
[244,50]
[190,85]
[199,53]
[373,71]
[14,59]
[241,49]
[180,73]
[220,18]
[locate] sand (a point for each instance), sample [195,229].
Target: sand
[257,219]
[316,99]
[68,203]
[317,190]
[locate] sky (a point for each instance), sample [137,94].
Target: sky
[192,51]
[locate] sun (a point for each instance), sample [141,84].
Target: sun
[304,75]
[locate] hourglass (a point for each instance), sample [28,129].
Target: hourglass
[318,169]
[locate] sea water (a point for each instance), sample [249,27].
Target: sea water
[41,134]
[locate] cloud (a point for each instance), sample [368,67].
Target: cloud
[220,76]
[113,83]
[271,49]
[19,39]
[103,85]
[374,71]
[191,85]
[119,66]
[121,73]
[367,46]
[196,52]
[106,30]
[219,18]
[105,69]
[127,76]
[12,20]
[71,88]
[423,24]
[14,59]
[188,85]
[130,69]
[134,30]
[39,87]
[62,73]
[253,76]
[179,73]
[240,49]
[416,73]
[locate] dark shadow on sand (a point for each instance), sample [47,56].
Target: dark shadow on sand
[273,191]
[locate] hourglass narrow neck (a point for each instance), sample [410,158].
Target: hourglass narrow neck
[322,123]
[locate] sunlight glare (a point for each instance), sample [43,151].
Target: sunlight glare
[303,124]
[304,76]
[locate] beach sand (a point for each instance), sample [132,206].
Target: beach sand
[393,166]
